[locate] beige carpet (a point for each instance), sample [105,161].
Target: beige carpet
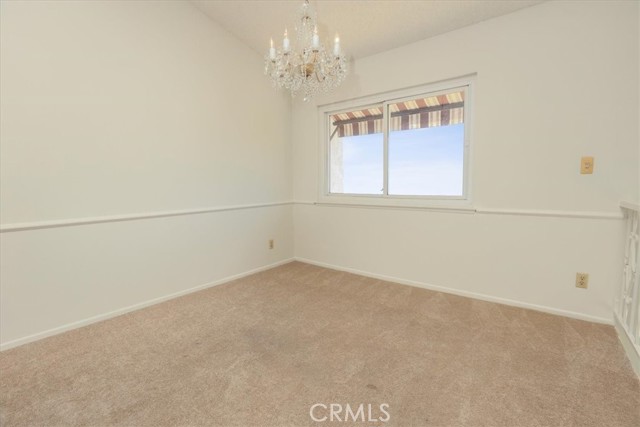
[260,351]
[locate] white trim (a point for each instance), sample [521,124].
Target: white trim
[138,306]
[406,92]
[552,213]
[474,295]
[632,351]
[435,208]
[481,211]
[630,206]
[386,122]
[8,228]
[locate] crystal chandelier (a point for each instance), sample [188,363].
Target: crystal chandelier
[306,66]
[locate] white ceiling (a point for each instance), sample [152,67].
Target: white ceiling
[365,26]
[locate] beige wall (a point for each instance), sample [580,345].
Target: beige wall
[119,108]
[554,82]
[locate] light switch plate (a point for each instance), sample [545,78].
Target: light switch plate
[586,165]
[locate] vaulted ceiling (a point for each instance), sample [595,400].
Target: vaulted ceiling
[366,27]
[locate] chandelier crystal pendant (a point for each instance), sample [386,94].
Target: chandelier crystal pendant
[306,65]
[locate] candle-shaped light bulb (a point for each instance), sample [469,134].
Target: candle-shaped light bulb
[336,46]
[272,51]
[285,43]
[316,39]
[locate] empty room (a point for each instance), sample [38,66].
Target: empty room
[320,213]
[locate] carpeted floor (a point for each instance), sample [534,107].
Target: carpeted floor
[260,351]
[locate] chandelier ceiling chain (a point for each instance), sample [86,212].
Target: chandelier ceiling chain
[306,66]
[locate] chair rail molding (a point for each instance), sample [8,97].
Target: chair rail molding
[605,215]
[36,225]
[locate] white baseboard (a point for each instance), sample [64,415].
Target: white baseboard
[138,306]
[483,297]
[629,348]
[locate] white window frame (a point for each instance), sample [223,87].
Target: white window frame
[462,202]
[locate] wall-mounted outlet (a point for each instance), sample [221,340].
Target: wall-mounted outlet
[586,165]
[271,244]
[582,280]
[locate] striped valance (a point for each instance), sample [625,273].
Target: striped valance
[440,110]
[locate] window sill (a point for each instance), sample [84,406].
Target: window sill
[455,205]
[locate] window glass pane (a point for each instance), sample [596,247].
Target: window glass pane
[426,146]
[356,152]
